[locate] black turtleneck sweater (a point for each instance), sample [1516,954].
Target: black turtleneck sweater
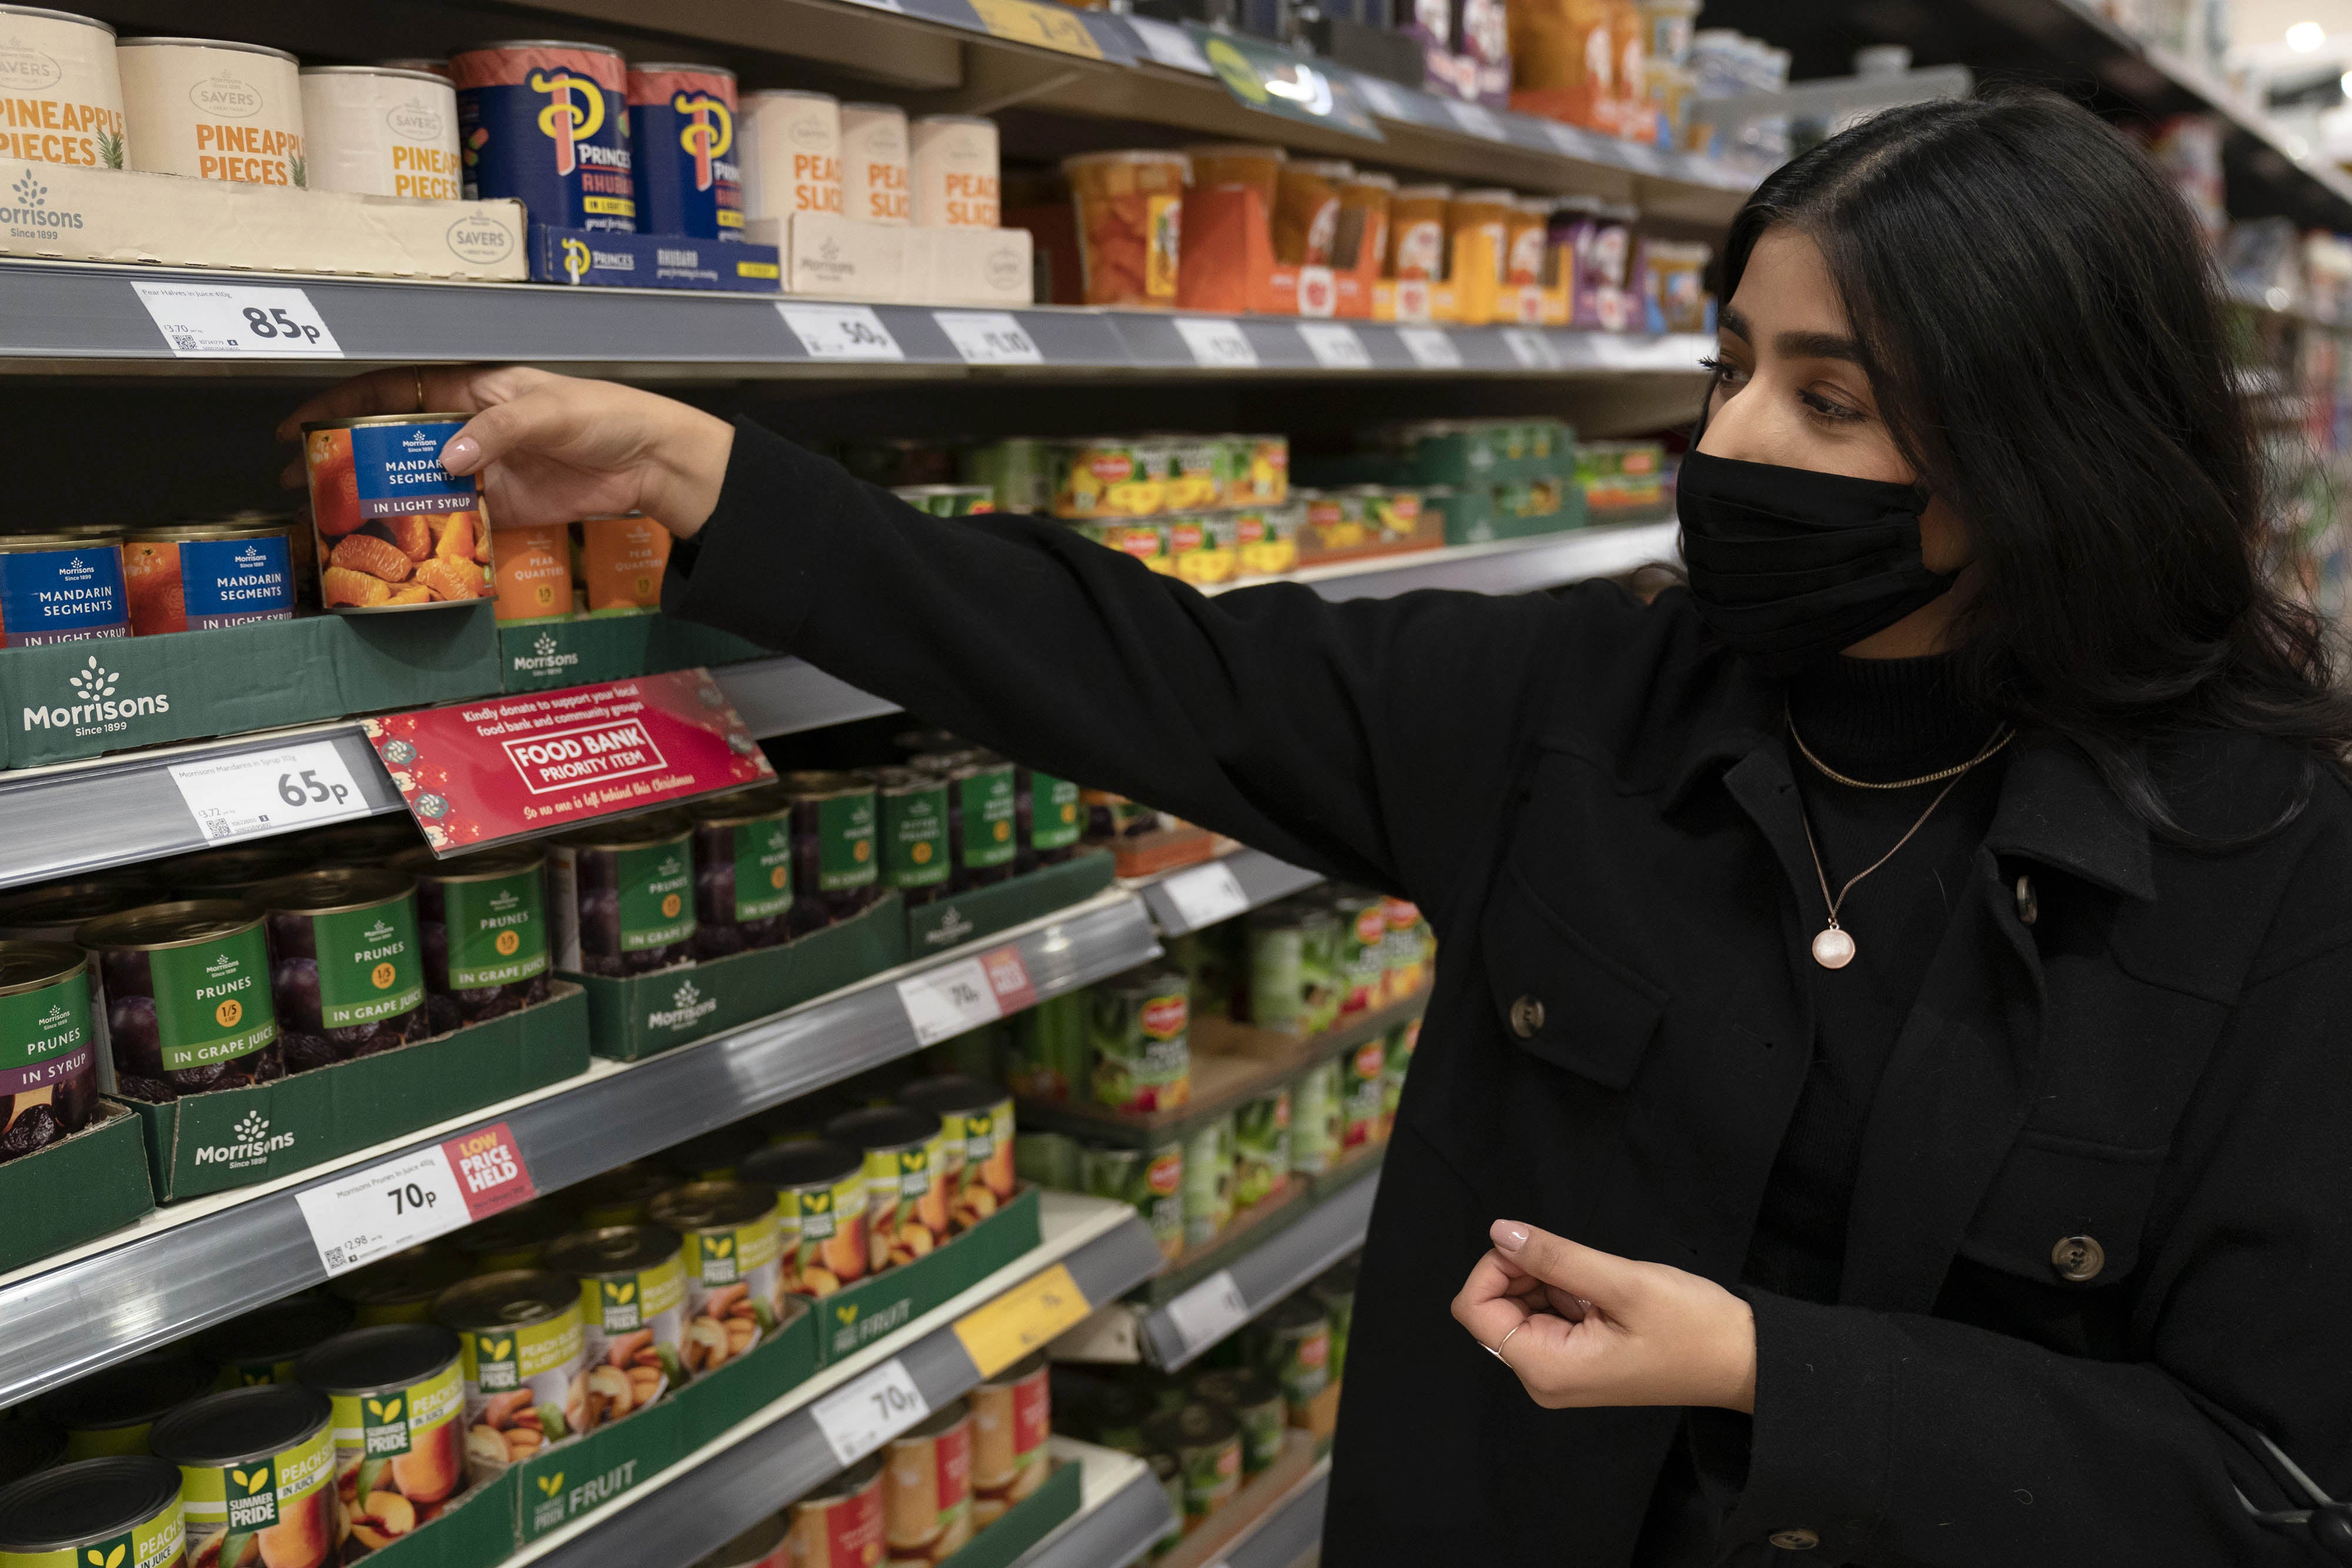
[1878,720]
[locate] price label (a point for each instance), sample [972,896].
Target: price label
[1008,977]
[870,1410]
[1208,1312]
[1477,119]
[1335,347]
[1431,348]
[1047,27]
[1022,1321]
[1170,46]
[259,792]
[949,1000]
[1532,350]
[1216,344]
[1386,101]
[225,321]
[841,332]
[1205,894]
[989,337]
[364,1215]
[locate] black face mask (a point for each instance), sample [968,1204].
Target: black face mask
[1789,566]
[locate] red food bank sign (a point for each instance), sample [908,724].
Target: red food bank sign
[506,768]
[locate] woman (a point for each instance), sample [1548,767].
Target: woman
[1885,1014]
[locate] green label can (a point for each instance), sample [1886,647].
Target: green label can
[120,1512]
[842,834]
[657,888]
[1138,1041]
[1294,987]
[280,1499]
[1363,951]
[633,1310]
[1056,819]
[369,969]
[1256,1403]
[212,999]
[1363,1089]
[48,1053]
[1207,1443]
[984,810]
[830,1233]
[1318,1119]
[1151,1180]
[498,930]
[734,1284]
[763,868]
[1292,1344]
[916,849]
[1261,1148]
[1400,1042]
[522,1350]
[1208,1181]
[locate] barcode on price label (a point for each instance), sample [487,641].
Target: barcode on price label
[222,322]
[1216,345]
[1431,348]
[841,332]
[1208,1312]
[1335,347]
[415,1195]
[870,1410]
[273,792]
[989,337]
[1205,894]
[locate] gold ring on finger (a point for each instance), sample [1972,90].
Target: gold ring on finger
[1497,1349]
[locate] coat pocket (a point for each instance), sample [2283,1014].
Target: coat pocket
[1561,998]
[2053,1194]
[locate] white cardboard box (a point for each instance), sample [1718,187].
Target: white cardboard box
[64,211]
[840,258]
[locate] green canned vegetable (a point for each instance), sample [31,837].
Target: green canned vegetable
[1318,1119]
[1362,1091]
[1048,1056]
[1018,471]
[1254,1401]
[1151,1180]
[948,500]
[1261,1147]
[1207,1443]
[1335,1292]
[1292,1344]
[1292,959]
[1208,1181]
[1138,1041]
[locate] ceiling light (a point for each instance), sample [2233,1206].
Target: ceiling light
[2305,37]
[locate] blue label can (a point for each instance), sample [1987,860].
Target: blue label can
[548,124]
[394,529]
[397,468]
[58,588]
[237,577]
[682,136]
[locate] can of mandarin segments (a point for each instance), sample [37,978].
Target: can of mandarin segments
[200,577]
[61,587]
[546,123]
[396,529]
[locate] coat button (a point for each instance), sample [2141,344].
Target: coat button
[2078,1259]
[2029,908]
[1527,1017]
[1794,1539]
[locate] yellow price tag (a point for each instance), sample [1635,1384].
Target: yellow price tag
[1019,1321]
[1047,27]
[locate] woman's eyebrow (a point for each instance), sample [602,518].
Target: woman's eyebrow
[1817,346]
[1729,320]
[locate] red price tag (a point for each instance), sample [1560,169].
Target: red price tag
[491,1175]
[1008,978]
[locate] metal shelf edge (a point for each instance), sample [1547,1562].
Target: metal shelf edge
[1123,1513]
[1263,878]
[1286,1260]
[1287,1531]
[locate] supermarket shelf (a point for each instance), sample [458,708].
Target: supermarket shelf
[1510,566]
[1265,1274]
[1260,876]
[1286,1531]
[748,1473]
[1121,1514]
[784,696]
[197,1262]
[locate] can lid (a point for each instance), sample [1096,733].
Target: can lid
[176,924]
[500,860]
[534,44]
[1126,155]
[634,1182]
[371,838]
[807,785]
[756,804]
[26,544]
[28,1444]
[278,1332]
[408,72]
[367,1359]
[613,1249]
[806,1162]
[952,1093]
[81,1504]
[511,1298]
[57,17]
[706,1154]
[1021,1371]
[332,890]
[630,832]
[242,49]
[1236,1388]
[881,1126]
[900,780]
[421,416]
[1194,1425]
[647,67]
[241,1424]
[712,1205]
[128,1393]
[945,1419]
[25,965]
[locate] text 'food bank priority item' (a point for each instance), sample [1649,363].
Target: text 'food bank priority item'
[546,123]
[186,992]
[396,529]
[682,130]
[212,110]
[382,131]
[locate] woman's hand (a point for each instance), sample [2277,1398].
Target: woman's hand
[551,448]
[1586,1328]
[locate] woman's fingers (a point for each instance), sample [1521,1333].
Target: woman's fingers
[1580,1271]
[448,390]
[1487,1304]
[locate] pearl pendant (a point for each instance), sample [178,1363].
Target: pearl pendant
[1833,948]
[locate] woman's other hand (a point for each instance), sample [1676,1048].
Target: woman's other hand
[1587,1328]
[551,448]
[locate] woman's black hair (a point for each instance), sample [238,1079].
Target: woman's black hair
[2048,341]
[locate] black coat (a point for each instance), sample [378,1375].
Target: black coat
[2119,1040]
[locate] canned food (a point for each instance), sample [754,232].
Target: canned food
[952,169]
[212,110]
[948,500]
[72,87]
[1130,211]
[1265,539]
[121,1510]
[682,136]
[623,900]
[546,123]
[1147,542]
[482,921]
[28,1445]
[714,1155]
[633,1303]
[396,529]
[1048,1159]
[1012,1415]
[258,1464]
[1293,953]
[1047,1059]
[1364,1069]
[767,1544]
[927,1490]
[1138,1041]
[54,911]
[1254,1402]
[835,871]
[108,1412]
[622,560]
[1318,1119]
[906,1180]
[1151,1180]
[382,131]
[1256,166]
[1480,220]
[839,1524]
[1390,515]
[874,163]
[1016,471]
[532,578]
[1170,1474]
[1292,1344]
[515,1237]
[1403,968]
[1363,951]
[976,1125]
[1307,210]
[61,587]
[621,1196]
[1335,1292]
[821,1212]
[791,153]
[1261,1147]
[400,1289]
[1207,1445]
[186,992]
[911,809]
[980,819]
[522,1349]
[734,1287]
[1335,520]
[49,1053]
[232,872]
[1208,1181]
[398,1395]
[1106,477]
[1400,1042]
[1048,818]
[349,980]
[1205,549]
[743,869]
[262,1345]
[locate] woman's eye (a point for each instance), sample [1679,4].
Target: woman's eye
[1721,371]
[1823,408]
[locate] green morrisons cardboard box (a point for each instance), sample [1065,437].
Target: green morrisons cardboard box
[645,1015]
[1026,1523]
[857,1316]
[69,700]
[229,1137]
[984,910]
[76,1189]
[536,655]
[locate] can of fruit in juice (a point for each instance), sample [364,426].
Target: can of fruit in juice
[482,919]
[382,131]
[111,1411]
[523,1351]
[348,978]
[622,560]
[61,69]
[734,1287]
[835,871]
[546,122]
[121,1510]
[839,1524]
[874,163]
[906,1180]
[257,1463]
[918,854]
[976,1122]
[54,911]
[399,1399]
[262,1345]
[212,110]
[1012,1415]
[1139,1042]
[792,152]
[682,136]
[633,1304]
[743,869]
[61,587]
[981,811]
[533,576]
[185,989]
[927,1490]
[49,1071]
[622,896]
[1292,1344]
[952,167]
[821,1212]
[396,529]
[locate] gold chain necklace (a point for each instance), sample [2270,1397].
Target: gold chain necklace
[1833,946]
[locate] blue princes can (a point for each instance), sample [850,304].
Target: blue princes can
[61,587]
[547,124]
[682,131]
